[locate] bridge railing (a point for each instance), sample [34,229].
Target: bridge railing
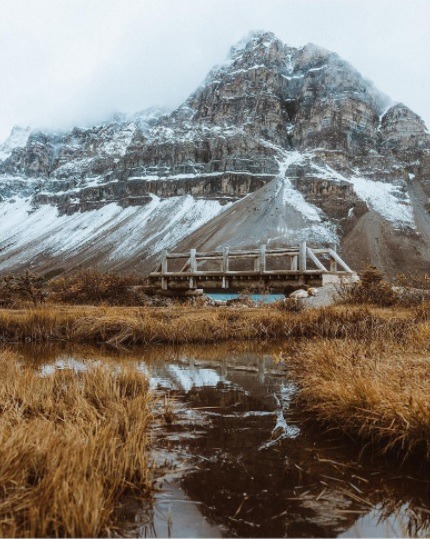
[325,260]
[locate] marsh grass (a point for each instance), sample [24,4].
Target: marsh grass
[352,381]
[376,392]
[70,447]
[119,326]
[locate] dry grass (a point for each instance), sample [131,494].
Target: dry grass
[377,392]
[90,286]
[70,448]
[175,325]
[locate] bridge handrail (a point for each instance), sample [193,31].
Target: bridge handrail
[298,262]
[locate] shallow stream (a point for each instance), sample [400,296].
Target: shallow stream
[238,459]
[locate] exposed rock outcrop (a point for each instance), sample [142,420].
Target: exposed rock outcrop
[278,144]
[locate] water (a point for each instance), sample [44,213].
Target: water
[239,461]
[259,298]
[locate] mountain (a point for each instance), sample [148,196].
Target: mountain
[278,144]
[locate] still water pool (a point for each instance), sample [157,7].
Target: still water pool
[240,461]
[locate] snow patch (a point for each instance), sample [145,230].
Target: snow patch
[291,195]
[27,232]
[387,200]
[17,139]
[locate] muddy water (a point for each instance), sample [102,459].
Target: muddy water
[238,461]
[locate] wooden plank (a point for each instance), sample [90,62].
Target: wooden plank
[211,254]
[250,273]
[315,260]
[337,258]
[220,256]
[219,275]
[185,266]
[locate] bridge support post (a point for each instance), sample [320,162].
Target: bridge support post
[302,256]
[293,263]
[192,284]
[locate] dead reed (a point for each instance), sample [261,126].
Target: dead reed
[70,448]
[377,391]
[179,325]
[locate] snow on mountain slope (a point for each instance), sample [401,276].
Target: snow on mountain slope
[17,139]
[112,234]
[388,200]
[276,214]
[277,145]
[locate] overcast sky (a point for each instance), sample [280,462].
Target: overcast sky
[74,62]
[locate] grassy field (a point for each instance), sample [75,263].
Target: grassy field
[70,448]
[187,324]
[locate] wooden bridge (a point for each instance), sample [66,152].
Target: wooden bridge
[261,269]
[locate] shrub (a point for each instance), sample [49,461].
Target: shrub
[413,289]
[372,288]
[7,296]
[16,288]
[89,286]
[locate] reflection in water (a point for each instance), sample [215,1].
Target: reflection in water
[238,449]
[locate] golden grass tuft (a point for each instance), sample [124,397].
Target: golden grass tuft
[180,325]
[70,447]
[377,392]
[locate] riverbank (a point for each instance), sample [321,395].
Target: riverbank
[121,326]
[375,392]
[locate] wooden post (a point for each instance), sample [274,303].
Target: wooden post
[293,264]
[225,259]
[333,263]
[256,263]
[164,262]
[262,258]
[302,256]
[193,261]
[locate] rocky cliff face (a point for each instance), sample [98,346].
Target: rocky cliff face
[278,144]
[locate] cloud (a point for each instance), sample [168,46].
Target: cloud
[74,62]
